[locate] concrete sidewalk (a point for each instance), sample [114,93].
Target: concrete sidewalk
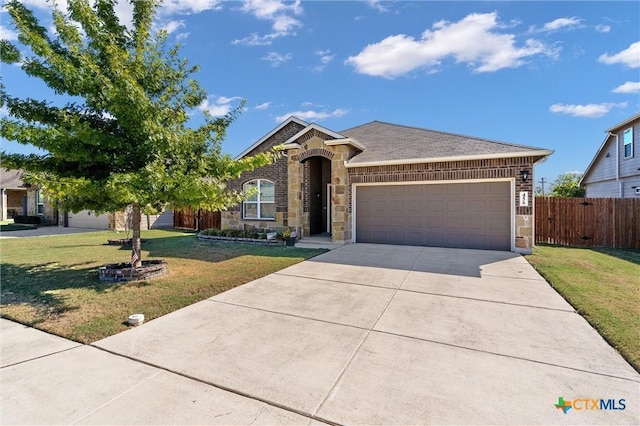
[364,334]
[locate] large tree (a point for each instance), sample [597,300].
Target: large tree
[568,185]
[120,134]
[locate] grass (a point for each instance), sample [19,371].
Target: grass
[603,285]
[52,283]
[7,227]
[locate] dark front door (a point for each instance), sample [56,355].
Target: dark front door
[320,177]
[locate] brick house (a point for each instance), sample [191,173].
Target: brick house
[21,199]
[614,171]
[393,184]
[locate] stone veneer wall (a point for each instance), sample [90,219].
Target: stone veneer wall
[463,170]
[298,185]
[275,172]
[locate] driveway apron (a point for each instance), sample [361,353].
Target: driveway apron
[363,334]
[382,334]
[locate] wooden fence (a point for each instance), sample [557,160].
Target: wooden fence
[196,219]
[598,222]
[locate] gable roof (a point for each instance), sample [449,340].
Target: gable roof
[11,179]
[610,132]
[388,143]
[271,133]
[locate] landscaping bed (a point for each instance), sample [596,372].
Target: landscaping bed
[52,283]
[603,285]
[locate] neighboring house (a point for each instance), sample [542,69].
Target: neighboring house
[386,183]
[614,172]
[23,199]
[116,221]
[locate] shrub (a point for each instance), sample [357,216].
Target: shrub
[29,220]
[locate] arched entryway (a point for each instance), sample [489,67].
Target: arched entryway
[319,195]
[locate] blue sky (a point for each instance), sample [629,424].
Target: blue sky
[551,74]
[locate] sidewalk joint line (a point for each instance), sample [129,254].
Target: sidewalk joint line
[223,387]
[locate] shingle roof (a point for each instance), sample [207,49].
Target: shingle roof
[392,142]
[11,179]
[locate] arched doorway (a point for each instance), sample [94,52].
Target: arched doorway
[319,195]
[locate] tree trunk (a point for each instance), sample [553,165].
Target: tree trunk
[135,241]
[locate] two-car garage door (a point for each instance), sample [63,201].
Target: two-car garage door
[466,215]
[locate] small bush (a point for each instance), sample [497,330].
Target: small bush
[29,220]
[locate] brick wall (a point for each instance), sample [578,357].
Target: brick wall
[275,172]
[453,170]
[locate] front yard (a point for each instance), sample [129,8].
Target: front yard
[52,283]
[603,285]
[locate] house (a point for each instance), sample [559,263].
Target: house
[393,184]
[614,172]
[22,199]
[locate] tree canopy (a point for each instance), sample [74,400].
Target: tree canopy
[568,185]
[120,135]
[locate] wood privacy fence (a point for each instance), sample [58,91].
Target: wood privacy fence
[598,222]
[196,219]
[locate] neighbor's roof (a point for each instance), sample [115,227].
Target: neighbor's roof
[387,143]
[623,123]
[11,179]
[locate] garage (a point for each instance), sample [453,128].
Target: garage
[87,219]
[475,215]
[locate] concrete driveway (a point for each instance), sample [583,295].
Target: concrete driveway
[364,334]
[47,231]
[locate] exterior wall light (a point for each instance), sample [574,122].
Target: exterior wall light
[524,174]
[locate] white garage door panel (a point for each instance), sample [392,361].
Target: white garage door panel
[467,215]
[87,219]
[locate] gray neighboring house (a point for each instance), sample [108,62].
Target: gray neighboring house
[614,172]
[392,184]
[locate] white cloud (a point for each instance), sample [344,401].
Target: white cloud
[560,23]
[474,40]
[276,58]
[172,26]
[189,6]
[7,33]
[218,106]
[377,5]
[629,57]
[254,39]
[263,106]
[311,115]
[280,14]
[588,110]
[603,28]
[325,58]
[628,87]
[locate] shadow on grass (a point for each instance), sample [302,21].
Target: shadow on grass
[40,286]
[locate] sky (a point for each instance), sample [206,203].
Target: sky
[549,74]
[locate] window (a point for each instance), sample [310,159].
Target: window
[39,203]
[261,205]
[627,139]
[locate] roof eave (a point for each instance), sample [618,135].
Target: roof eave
[346,141]
[595,158]
[313,126]
[623,123]
[271,133]
[536,153]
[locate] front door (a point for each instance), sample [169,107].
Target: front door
[319,180]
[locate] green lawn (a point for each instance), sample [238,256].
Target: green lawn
[7,227]
[603,285]
[52,283]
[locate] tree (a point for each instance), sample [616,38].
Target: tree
[124,139]
[567,185]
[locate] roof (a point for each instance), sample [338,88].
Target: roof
[11,179]
[609,133]
[271,133]
[391,143]
[623,123]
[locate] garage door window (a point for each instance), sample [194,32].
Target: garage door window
[261,205]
